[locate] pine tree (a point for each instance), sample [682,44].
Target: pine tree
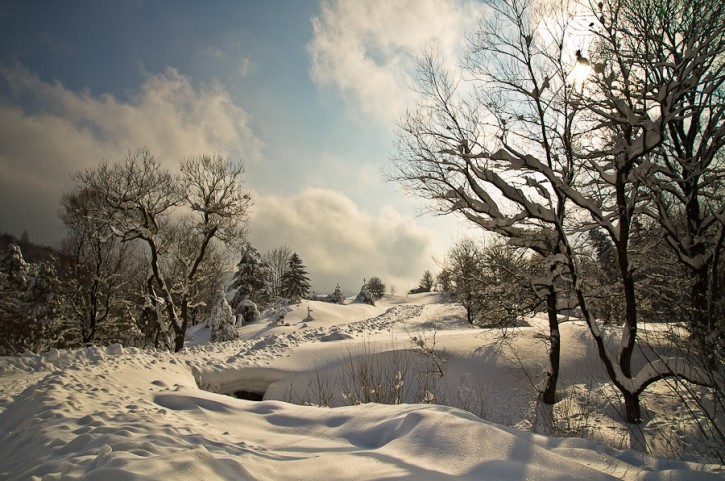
[223,322]
[295,283]
[426,282]
[13,265]
[31,307]
[251,280]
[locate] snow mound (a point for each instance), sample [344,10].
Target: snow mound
[336,336]
[142,419]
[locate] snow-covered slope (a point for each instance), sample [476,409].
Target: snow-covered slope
[128,414]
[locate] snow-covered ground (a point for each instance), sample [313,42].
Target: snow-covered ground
[125,414]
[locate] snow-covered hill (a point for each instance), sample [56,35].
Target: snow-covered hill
[123,413]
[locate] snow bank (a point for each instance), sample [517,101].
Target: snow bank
[142,418]
[122,413]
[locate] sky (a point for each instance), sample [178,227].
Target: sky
[305,93]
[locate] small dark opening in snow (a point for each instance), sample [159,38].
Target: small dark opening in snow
[249,395]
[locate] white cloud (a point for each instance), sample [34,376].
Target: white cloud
[367,48]
[340,243]
[66,131]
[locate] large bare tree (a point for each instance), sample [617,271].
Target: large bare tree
[139,198]
[568,154]
[460,146]
[683,45]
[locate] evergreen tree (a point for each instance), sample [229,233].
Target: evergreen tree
[223,322]
[426,282]
[251,280]
[31,304]
[13,265]
[295,283]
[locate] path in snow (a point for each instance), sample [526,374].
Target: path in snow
[247,365]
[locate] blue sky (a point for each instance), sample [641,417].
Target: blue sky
[305,93]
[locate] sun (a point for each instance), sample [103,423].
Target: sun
[581,70]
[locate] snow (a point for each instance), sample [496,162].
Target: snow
[121,413]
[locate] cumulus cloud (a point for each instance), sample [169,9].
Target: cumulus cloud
[367,49]
[338,242]
[59,131]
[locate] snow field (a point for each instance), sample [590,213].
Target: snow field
[124,413]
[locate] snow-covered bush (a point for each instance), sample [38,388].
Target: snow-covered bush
[13,265]
[336,297]
[365,296]
[223,322]
[247,312]
[376,287]
[31,305]
[278,311]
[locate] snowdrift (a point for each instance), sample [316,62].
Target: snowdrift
[129,414]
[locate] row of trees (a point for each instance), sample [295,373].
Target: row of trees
[143,257]
[28,291]
[492,284]
[67,300]
[263,278]
[618,155]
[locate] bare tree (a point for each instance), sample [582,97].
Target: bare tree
[278,260]
[522,94]
[632,99]
[97,262]
[464,263]
[682,45]
[563,145]
[201,291]
[376,287]
[139,197]
[506,281]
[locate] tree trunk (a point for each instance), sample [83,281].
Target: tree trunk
[632,413]
[179,342]
[167,297]
[699,308]
[180,333]
[549,393]
[90,333]
[629,330]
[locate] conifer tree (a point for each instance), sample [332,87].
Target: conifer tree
[31,304]
[295,283]
[223,322]
[426,282]
[251,280]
